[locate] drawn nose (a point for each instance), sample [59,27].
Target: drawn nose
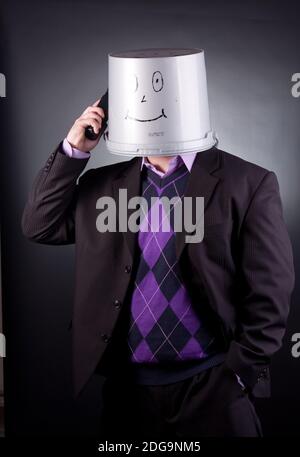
[143,99]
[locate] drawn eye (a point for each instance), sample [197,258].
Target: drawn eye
[157,81]
[133,82]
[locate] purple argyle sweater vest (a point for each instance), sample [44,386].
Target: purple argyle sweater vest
[165,326]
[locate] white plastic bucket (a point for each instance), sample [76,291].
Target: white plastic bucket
[158,102]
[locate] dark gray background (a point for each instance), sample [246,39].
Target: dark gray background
[54,56]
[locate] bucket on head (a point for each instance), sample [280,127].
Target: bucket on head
[158,102]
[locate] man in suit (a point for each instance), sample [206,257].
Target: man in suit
[183,332]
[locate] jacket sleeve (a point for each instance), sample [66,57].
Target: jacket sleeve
[48,216]
[267,281]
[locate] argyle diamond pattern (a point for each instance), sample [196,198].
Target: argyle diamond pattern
[164,324]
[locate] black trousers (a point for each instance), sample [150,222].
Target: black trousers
[208,404]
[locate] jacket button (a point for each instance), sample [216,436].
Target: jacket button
[127,269]
[117,304]
[262,375]
[105,337]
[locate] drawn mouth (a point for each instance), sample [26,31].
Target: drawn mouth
[145,120]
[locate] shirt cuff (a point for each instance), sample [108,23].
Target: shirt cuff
[68,150]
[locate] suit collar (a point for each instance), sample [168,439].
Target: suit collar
[201,183]
[209,160]
[129,178]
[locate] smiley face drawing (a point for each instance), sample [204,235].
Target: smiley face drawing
[158,102]
[157,86]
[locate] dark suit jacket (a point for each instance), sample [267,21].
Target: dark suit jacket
[243,268]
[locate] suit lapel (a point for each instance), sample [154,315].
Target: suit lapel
[129,179]
[201,183]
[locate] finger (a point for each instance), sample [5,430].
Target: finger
[92,115]
[87,122]
[96,102]
[94,109]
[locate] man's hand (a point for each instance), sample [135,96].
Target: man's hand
[93,116]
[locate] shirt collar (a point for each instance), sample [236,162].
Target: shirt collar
[188,160]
